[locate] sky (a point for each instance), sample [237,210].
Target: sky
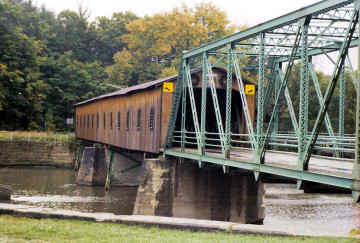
[239,12]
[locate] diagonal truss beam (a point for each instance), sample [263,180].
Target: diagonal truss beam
[321,99]
[220,126]
[249,122]
[193,105]
[330,89]
[261,149]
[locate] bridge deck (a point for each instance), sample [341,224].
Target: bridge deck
[274,161]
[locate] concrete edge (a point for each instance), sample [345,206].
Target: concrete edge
[147,221]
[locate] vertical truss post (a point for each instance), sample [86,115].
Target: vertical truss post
[193,106]
[341,128]
[331,87]
[203,104]
[276,93]
[175,107]
[356,168]
[228,103]
[183,107]
[260,96]
[304,92]
[283,85]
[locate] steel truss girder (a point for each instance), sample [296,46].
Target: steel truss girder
[330,89]
[260,155]
[342,182]
[315,9]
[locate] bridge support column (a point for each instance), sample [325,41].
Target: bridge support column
[184,190]
[92,170]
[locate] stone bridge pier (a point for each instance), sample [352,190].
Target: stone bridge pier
[183,189]
[167,187]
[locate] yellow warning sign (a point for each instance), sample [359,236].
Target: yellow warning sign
[168,87]
[250,89]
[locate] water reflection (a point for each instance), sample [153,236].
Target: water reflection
[55,188]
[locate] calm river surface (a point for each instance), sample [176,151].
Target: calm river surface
[286,207]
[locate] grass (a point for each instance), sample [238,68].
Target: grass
[32,136]
[16,229]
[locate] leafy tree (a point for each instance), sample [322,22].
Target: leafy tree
[157,42]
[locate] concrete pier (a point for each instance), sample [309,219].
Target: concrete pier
[186,191]
[92,170]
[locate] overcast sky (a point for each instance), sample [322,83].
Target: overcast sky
[239,12]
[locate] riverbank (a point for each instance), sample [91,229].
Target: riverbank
[19,223]
[37,149]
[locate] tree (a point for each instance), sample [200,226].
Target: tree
[157,42]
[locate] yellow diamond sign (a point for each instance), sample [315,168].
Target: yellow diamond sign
[168,87]
[250,89]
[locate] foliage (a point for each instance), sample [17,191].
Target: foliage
[15,229]
[154,44]
[50,62]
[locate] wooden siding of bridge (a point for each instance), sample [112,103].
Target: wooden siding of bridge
[143,138]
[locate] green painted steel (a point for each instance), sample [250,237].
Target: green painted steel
[183,106]
[320,29]
[328,179]
[270,25]
[245,106]
[229,85]
[321,100]
[193,105]
[341,128]
[203,104]
[304,93]
[330,89]
[220,126]
[175,108]
[290,105]
[260,98]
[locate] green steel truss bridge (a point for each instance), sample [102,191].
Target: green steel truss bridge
[328,30]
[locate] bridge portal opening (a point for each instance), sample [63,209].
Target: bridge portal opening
[238,124]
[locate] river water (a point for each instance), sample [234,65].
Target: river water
[286,208]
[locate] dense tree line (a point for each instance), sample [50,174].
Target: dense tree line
[49,62]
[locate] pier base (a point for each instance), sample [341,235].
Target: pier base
[184,190]
[92,171]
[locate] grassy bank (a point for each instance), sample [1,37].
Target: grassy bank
[32,136]
[16,229]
